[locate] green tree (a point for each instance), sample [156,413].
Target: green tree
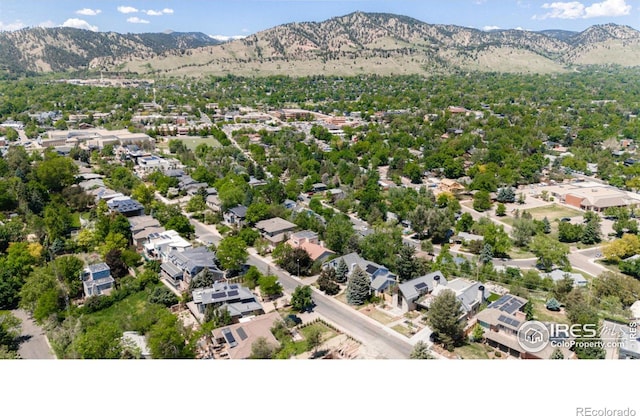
[358,287]
[407,265]
[482,201]
[557,354]
[301,299]
[327,282]
[102,341]
[167,339]
[232,253]
[56,172]
[443,316]
[420,351]
[269,286]
[342,271]
[313,337]
[261,349]
[196,204]
[549,252]
[339,230]
[143,194]
[501,210]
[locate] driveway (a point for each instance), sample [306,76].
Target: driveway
[33,341]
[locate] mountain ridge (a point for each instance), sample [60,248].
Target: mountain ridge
[345,45]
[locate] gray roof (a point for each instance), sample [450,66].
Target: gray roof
[239,211]
[380,283]
[193,260]
[414,288]
[309,235]
[223,292]
[125,205]
[469,296]
[275,225]
[98,267]
[171,270]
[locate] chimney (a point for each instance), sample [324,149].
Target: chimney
[480,294]
[436,281]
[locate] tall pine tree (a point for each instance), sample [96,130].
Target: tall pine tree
[342,271]
[358,287]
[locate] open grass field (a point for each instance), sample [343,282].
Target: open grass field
[378,315]
[553,212]
[191,142]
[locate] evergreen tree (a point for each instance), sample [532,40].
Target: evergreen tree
[342,271]
[506,195]
[327,282]
[592,233]
[547,225]
[407,265]
[358,287]
[486,255]
[443,315]
[420,351]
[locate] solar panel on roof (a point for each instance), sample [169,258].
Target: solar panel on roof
[502,318]
[218,295]
[232,293]
[515,323]
[241,333]
[229,337]
[420,285]
[233,286]
[371,269]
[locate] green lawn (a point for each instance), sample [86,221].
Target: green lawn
[472,351]
[553,212]
[403,330]
[191,142]
[75,220]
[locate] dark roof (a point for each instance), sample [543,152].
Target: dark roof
[239,211]
[508,304]
[125,205]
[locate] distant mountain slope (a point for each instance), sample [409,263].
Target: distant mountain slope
[392,44]
[353,44]
[61,49]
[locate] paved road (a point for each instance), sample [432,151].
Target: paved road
[34,343]
[371,335]
[376,337]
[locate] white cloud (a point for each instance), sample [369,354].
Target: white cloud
[489,28]
[224,38]
[79,24]
[152,12]
[88,12]
[137,20]
[17,25]
[608,8]
[577,10]
[127,9]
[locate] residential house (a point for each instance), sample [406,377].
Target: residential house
[450,185]
[161,245]
[558,275]
[472,295]
[126,206]
[236,299]
[309,242]
[275,230]
[464,238]
[336,194]
[142,227]
[189,263]
[214,203]
[234,341]
[97,280]
[381,278]
[409,292]
[501,322]
[235,216]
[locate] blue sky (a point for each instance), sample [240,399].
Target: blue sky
[242,17]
